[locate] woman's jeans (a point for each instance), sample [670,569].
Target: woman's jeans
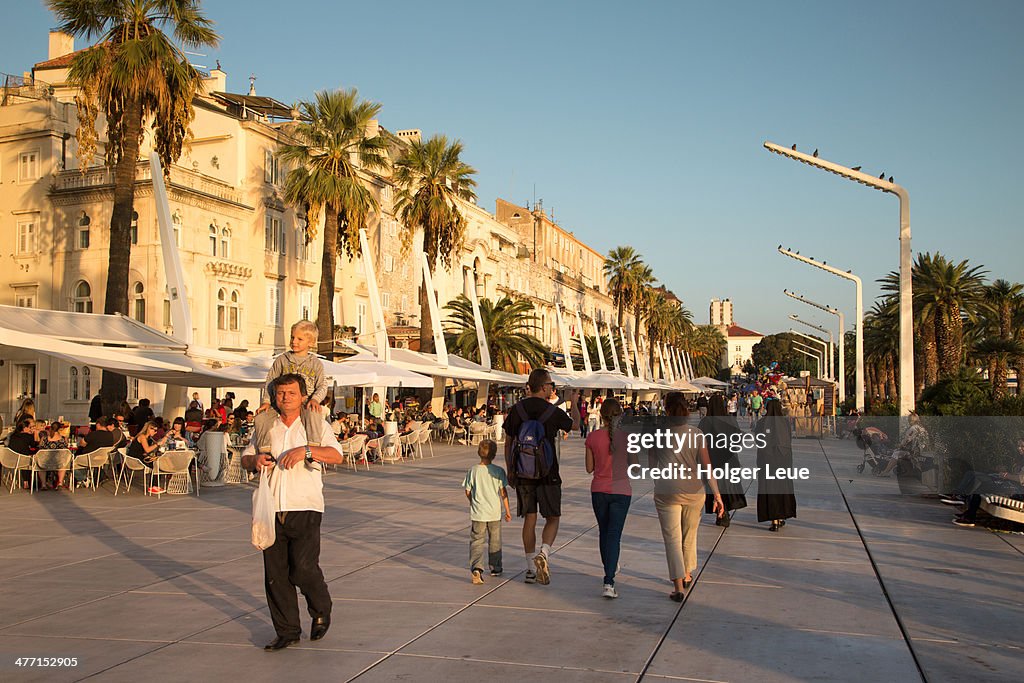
[610,510]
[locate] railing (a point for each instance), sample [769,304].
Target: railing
[20,88]
[103,176]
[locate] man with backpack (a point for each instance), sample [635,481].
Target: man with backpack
[532,427]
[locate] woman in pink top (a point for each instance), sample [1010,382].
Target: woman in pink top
[610,491]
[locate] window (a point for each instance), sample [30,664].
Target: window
[25,297]
[306,304]
[739,348]
[225,243]
[234,312]
[81,297]
[83,231]
[73,393]
[271,168]
[385,300]
[389,263]
[139,302]
[360,317]
[273,234]
[222,309]
[134,229]
[301,244]
[213,240]
[133,388]
[274,304]
[26,238]
[405,303]
[28,166]
[176,227]
[86,383]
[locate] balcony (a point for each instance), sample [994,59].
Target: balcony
[99,177]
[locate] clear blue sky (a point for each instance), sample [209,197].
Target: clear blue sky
[641,123]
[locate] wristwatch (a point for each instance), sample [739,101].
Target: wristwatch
[309,455]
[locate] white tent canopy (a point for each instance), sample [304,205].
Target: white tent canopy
[709,383]
[90,328]
[427,364]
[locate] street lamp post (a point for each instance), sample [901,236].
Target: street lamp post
[842,336]
[816,357]
[824,349]
[858,378]
[906,288]
[831,340]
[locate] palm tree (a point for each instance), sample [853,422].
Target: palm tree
[705,344]
[881,347]
[136,74]
[328,147]
[643,281]
[431,179]
[956,290]
[507,326]
[994,342]
[620,267]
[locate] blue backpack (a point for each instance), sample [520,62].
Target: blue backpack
[533,455]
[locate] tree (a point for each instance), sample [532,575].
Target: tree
[328,147]
[779,348]
[705,344]
[135,76]
[507,327]
[431,179]
[619,267]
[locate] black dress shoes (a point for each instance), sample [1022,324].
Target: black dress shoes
[280,643]
[319,628]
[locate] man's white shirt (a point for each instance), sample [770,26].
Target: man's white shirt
[301,487]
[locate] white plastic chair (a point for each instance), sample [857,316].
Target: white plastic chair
[176,463]
[91,461]
[389,449]
[478,431]
[11,463]
[353,449]
[407,444]
[129,466]
[424,435]
[50,460]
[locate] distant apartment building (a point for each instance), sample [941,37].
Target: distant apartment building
[739,341]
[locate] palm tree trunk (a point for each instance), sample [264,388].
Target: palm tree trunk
[998,372]
[426,325]
[949,335]
[114,387]
[325,298]
[930,351]
[890,378]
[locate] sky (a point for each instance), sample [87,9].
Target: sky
[642,123]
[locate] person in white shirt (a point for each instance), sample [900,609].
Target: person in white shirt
[292,445]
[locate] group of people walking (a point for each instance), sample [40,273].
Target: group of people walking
[679,501]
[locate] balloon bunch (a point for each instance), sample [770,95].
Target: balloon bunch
[769,380]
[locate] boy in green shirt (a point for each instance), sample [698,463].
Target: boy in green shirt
[485,485]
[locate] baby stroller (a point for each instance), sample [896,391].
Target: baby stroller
[877,451]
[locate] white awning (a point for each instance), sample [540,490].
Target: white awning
[89,328]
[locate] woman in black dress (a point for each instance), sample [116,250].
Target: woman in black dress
[720,427]
[775,499]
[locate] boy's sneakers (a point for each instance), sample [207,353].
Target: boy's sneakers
[540,561]
[951,500]
[496,572]
[609,591]
[963,521]
[478,576]
[531,576]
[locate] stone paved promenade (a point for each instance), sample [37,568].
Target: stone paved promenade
[865,585]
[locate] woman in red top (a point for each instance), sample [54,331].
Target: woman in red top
[610,491]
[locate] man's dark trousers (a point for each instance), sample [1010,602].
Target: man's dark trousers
[294,562]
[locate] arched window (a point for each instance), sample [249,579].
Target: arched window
[139,302]
[83,231]
[225,241]
[73,372]
[176,227]
[134,229]
[222,312]
[234,312]
[86,383]
[213,240]
[81,297]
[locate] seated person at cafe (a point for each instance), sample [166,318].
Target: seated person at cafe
[194,412]
[106,435]
[24,440]
[142,413]
[178,437]
[52,437]
[145,446]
